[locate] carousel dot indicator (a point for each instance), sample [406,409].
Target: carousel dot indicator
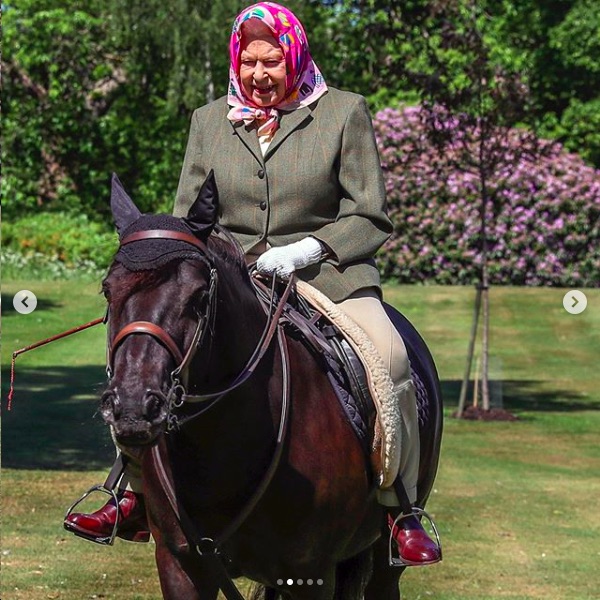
[319,582]
[290,582]
[309,581]
[280,582]
[300,582]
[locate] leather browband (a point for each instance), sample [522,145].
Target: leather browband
[164,234]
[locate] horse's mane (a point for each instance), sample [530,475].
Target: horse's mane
[223,245]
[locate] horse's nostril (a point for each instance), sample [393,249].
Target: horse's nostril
[111,404]
[153,404]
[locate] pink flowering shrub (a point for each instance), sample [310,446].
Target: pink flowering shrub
[544,227]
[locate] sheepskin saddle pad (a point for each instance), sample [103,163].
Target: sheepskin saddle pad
[386,431]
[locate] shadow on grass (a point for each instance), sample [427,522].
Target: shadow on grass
[54,423]
[525,395]
[42,304]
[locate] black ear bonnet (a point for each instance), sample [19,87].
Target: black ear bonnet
[152,254]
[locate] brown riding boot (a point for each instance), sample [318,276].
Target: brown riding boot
[98,526]
[415,547]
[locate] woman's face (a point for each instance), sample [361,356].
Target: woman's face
[262,69]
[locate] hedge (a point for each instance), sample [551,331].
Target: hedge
[543,230]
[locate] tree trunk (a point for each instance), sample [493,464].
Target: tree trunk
[467,375]
[485,387]
[210,84]
[485,284]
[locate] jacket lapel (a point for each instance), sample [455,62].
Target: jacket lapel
[289,122]
[250,139]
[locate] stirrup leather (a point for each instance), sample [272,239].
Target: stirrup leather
[108,540]
[397,561]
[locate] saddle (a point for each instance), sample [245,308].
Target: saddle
[358,377]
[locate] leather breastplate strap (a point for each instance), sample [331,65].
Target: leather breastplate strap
[209,549]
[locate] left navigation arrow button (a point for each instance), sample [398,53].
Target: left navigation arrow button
[25,302]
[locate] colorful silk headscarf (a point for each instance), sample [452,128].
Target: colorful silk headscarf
[304,82]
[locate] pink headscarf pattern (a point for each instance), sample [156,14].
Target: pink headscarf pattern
[304,82]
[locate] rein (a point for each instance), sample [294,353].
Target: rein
[209,548]
[274,315]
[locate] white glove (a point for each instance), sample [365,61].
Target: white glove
[284,260]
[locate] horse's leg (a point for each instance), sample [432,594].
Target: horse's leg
[353,576]
[180,577]
[321,588]
[385,580]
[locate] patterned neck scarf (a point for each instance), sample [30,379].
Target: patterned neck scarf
[304,82]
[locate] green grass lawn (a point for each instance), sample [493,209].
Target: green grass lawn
[516,503]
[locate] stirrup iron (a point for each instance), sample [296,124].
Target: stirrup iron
[108,540]
[397,561]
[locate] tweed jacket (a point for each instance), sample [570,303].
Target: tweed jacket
[320,176]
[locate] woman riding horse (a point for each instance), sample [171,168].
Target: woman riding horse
[301,188]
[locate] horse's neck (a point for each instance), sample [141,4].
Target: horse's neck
[239,323]
[242,419]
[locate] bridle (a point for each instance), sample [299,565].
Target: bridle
[177,394]
[209,548]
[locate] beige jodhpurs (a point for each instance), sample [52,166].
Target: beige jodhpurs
[366,310]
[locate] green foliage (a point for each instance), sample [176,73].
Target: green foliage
[554,47]
[559,40]
[579,128]
[91,88]
[71,240]
[175,50]
[50,135]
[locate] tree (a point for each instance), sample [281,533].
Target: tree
[472,95]
[58,74]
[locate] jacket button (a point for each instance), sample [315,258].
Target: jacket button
[261,173]
[263,205]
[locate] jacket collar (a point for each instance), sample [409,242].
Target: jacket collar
[290,121]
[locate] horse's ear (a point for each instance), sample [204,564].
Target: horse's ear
[202,215]
[124,211]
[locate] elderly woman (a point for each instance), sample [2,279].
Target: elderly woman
[301,188]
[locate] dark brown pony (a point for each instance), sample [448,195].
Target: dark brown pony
[186,397]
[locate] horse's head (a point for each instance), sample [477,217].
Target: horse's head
[157,291]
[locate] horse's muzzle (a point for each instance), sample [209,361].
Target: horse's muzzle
[135,422]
